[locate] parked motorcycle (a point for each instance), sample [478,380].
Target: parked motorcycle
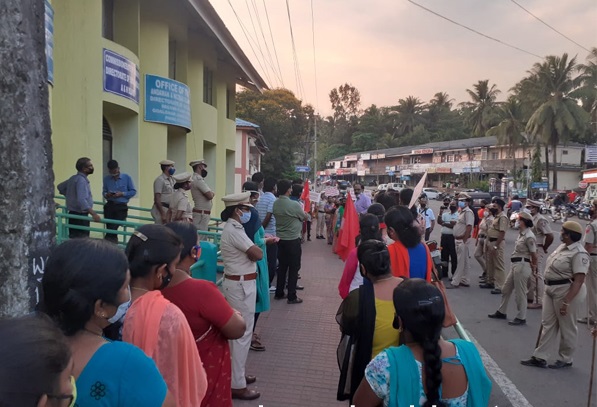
[582,212]
[436,256]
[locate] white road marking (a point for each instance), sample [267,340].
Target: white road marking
[515,397]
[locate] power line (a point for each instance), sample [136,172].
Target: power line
[257,36]
[314,61]
[565,36]
[273,43]
[473,30]
[297,72]
[269,54]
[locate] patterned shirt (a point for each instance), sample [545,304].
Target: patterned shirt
[264,206]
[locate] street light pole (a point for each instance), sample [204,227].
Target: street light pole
[315,150]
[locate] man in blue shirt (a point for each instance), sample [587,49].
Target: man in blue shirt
[78,197]
[118,189]
[265,207]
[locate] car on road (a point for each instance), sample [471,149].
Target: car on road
[382,187]
[396,186]
[431,193]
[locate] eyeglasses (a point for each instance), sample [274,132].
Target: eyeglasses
[71,397]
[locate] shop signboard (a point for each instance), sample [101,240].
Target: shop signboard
[49,25]
[443,170]
[302,168]
[121,76]
[539,185]
[365,156]
[167,101]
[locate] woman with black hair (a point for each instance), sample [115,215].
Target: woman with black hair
[366,315]
[155,324]
[524,261]
[351,280]
[212,320]
[453,370]
[410,257]
[36,365]
[378,210]
[85,289]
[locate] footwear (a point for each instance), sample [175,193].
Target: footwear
[250,379]
[529,301]
[535,362]
[330,243]
[486,285]
[559,364]
[517,321]
[464,285]
[534,306]
[497,315]
[245,394]
[309,239]
[496,291]
[587,321]
[298,277]
[272,289]
[297,300]
[279,297]
[300,287]
[256,346]
[450,286]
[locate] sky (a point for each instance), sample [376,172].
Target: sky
[391,49]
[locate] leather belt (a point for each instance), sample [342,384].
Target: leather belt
[539,245]
[482,236]
[493,239]
[246,277]
[558,282]
[201,211]
[321,211]
[165,205]
[519,259]
[593,254]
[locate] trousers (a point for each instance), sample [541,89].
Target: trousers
[201,221]
[480,254]
[320,224]
[463,253]
[242,296]
[591,283]
[557,326]
[517,282]
[448,253]
[536,284]
[496,273]
[272,260]
[289,262]
[116,211]
[75,233]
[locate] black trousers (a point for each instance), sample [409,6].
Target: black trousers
[289,262]
[75,233]
[448,253]
[272,260]
[116,211]
[427,233]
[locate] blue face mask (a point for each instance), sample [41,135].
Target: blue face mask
[171,170]
[461,204]
[245,217]
[121,311]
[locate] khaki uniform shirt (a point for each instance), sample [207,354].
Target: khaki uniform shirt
[180,202]
[484,225]
[541,228]
[164,185]
[525,244]
[499,224]
[234,245]
[566,261]
[591,235]
[465,218]
[198,188]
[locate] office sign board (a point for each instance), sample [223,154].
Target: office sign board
[121,76]
[167,101]
[540,185]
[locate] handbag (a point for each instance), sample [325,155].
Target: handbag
[345,354]
[450,318]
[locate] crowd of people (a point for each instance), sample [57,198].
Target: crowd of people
[134,328]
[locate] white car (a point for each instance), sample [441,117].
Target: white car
[431,193]
[382,187]
[396,186]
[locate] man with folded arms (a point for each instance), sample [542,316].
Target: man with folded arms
[202,196]
[163,187]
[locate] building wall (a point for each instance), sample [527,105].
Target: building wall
[147,32]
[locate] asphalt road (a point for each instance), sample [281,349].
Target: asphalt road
[505,345]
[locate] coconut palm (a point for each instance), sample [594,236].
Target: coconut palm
[558,117]
[408,114]
[510,130]
[482,109]
[586,83]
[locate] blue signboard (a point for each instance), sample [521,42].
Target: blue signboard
[121,76]
[302,168]
[167,101]
[540,185]
[391,173]
[49,23]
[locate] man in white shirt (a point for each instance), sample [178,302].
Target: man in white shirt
[427,214]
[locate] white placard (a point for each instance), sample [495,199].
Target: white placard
[331,191]
[314,196]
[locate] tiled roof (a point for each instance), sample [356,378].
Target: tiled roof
[244,123]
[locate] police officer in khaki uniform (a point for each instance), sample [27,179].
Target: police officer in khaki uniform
[565,273]
[496,234]
[463,239]
[163,186]
[202,196]
[591,282]
[544,236]
[523,260]
[180,207]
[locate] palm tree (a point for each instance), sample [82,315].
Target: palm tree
[586,83]
[558,116]
[409,114]
[482,109]
[510,130]
[437,108]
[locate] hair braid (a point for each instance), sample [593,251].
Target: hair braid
[433,370]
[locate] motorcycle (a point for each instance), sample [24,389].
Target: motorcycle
[514,219]
[436,255]
[583,212]
[559,213]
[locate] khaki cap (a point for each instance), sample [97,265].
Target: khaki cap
[197,162]
[237,199]
[182,177]
[463,196]
[525,215]
[572,226]
[530,202]
[594,203]
[166,162]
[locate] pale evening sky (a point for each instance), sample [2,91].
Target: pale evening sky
[390,49]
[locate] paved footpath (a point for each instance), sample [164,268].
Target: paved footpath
[299,367]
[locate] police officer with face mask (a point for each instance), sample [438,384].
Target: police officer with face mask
[496,234]
[163,187]
[202,196]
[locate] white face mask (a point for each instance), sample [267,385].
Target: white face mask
[245,217]
[122,309]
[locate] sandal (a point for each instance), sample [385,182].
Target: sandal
[256,344]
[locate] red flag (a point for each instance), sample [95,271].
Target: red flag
[349,229]
[305,197]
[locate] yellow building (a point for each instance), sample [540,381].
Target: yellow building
[140,81]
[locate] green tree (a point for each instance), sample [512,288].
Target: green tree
[586,92]
[536,166]
[284,124]
[482,110]
[558,117]
[509,131]
[408,114]
[346,104]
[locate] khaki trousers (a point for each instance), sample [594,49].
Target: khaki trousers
[556,325]
[320,224]
[201,221]
[480,254]
[496,274]
[517,282]
[463,254]
[591,283]
[242,296]
[155,214]
[536,284]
